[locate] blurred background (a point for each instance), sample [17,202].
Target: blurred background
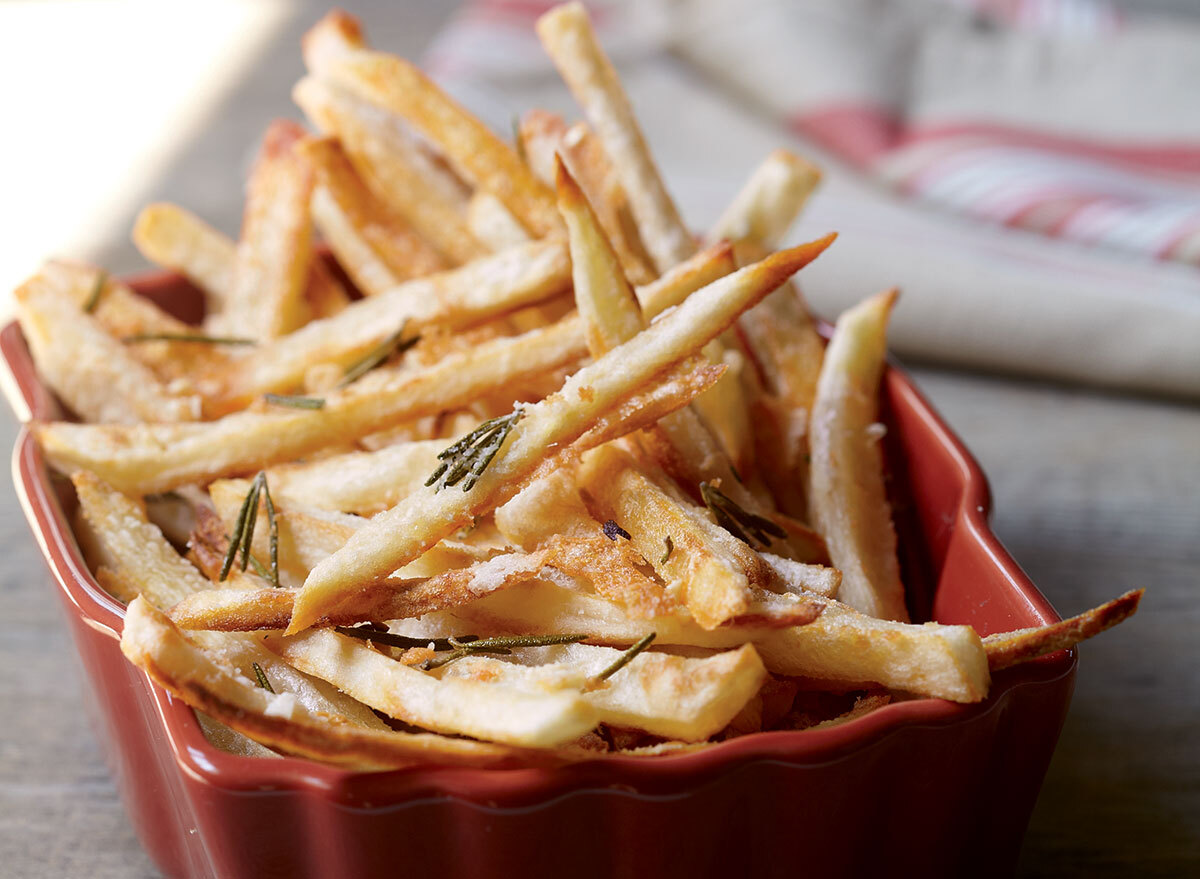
[1027,171]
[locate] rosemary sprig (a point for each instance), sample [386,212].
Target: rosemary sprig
[243,532]
[623,660]
[94,296]
[401,642]
[262,678]
[295,402]
[612,530]
[670,547]
[470,456]
[741,523]
[393,344]
[498,646]
[187,337]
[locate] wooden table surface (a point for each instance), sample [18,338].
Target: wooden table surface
[1094,494]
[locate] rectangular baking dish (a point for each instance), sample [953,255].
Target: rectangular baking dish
[923,787]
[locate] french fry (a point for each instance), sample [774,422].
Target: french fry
[488,711]
[266,297]
[711,570]
[543,136]
[767,204]
[847,497]
[246,610]
[177,239]
[677,697]
[567,35]
[474,151]
[427,516]
[456,299]
[1006,649]
[92,372]
[337,33]
[840,644]
[152,643]
[148,458]
[375,246]
[393,167]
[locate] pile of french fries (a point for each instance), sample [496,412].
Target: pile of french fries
[525,473]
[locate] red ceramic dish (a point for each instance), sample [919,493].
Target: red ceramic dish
[923,787]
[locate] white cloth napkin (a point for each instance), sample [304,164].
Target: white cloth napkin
[1026,171]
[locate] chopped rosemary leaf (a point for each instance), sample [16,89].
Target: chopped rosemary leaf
[734,470]
[294,401]
[94,296]
[742,524]
[393,344]
[243,532]
[262,678]
[667,554]
[403,642]
[612,530]
[188,337]
[623,660]
[502,645]
[470,456]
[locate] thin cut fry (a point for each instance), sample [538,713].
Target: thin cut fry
[93,373]
[567,35]
[847,497]
[267,294]
[767,204]
[491,222]
[394,167]
[399,535]
[1012,648]
[677,697]
[375,246]
[476,153]
[177,239]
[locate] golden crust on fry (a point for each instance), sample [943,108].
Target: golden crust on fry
[847,498]
[1012,648]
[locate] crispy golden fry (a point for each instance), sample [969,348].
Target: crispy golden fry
[266,298]
[177,239]
[840,644]
[803,579]
[474,151]
[543,136]
[677,697]
[567,35]
[1012,648]
[142,563]
[558,420]
[491,222]
[245,610]
[151,642]
[147,458]
[375,245]
[394,167]
[337,33]
[710,569]
[767,204]
[484,710]
[847,496]
[92,372]
[455,299]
